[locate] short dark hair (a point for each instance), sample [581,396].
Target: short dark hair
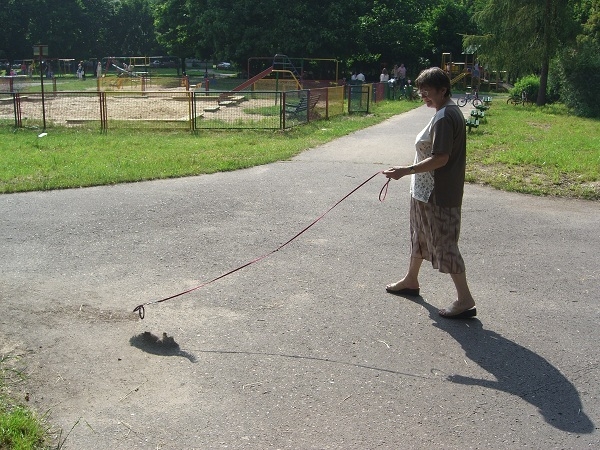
[436,78]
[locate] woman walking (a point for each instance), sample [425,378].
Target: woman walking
[437,185]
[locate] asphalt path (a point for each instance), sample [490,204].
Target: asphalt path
[303,349]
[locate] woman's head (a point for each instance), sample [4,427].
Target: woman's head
[434,78]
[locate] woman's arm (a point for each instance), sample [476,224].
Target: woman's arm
[427,165]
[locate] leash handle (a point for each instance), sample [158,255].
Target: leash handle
[382,194]
[384,190]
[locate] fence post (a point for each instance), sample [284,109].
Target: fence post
[192,109]
[283,102]
[17,109]
[103,112]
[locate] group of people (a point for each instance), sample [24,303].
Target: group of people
[398,73]
[360,77]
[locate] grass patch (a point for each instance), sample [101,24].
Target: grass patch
[540,151]
[20,429]
[264,110]
[68,158]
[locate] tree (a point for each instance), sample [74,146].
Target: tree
[392,30]
[579,65]
[444,27]
[239,29]
[174,26]
[523,35]
[134,33]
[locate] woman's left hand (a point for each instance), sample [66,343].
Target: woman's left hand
[396,172]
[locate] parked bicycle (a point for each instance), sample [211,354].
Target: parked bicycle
[519,100]
[472,98]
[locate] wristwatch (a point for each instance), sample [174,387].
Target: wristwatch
[411,169]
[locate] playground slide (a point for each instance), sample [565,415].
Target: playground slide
[458,77]
[252,80]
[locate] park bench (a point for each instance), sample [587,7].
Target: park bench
[472,123]
[478,114]
[305,104]
[487,101]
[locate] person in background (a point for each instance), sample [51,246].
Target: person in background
[402,75]
[384,77]
[437,185]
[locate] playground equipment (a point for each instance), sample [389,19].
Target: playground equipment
[465,73]
[469,74]
[126,65]
[295,73]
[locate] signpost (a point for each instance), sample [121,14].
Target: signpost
[41,51]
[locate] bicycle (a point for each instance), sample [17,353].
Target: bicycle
[519,100]
[472,98]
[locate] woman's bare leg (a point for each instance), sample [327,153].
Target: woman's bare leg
[411,279]
[464,300]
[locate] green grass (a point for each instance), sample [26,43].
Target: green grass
[540,151]
[20,429]
[68,158]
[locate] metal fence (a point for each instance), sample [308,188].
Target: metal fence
[133,105]
[226,109]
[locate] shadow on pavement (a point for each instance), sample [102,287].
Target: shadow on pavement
[165,346]
[518,371]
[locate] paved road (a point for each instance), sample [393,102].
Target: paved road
[303,350]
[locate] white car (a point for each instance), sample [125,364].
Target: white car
[224,65]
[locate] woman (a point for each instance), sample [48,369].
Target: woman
[437,184]
[384,77]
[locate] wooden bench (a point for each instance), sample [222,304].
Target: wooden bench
[305,104]
[472,123]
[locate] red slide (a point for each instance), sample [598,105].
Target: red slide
[255,78]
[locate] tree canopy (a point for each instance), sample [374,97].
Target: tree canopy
[521,36]
[366,32]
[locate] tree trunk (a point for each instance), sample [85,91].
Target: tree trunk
[541,97]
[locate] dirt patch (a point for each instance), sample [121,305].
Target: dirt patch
[171,105]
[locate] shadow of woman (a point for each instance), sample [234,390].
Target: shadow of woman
[518,371]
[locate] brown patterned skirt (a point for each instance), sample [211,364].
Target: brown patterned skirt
[434,232]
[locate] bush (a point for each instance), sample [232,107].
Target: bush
[579,71]
[554,83]
[530,84]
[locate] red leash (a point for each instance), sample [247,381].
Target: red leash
[382,194]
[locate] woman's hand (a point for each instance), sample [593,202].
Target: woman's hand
[396,172]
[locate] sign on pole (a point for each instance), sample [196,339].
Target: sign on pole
[40,50]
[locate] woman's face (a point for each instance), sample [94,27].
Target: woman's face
[432,97]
